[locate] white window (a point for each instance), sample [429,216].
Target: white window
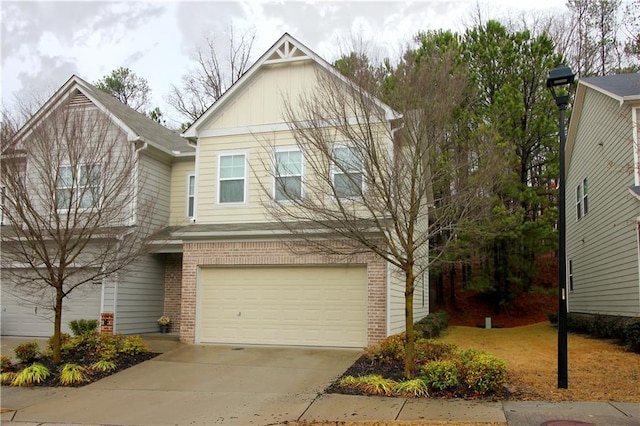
[582,199]
[78,187]
[570,275]
[288,174]
[191,195]
[231,178]
[347,172]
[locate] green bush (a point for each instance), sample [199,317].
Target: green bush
[606,326]
[432,325]
[31,375]
[485,374]
[553,317]
[133,345]
[632,334]
[5,364]
[82,327]
[441,375]
[430,350]
[27,352]
[391,348]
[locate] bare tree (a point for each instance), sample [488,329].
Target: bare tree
[71,206]
[214,73]
[368,171]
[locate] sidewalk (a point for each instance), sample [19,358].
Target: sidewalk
[188,385]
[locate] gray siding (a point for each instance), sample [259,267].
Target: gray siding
[154,177]
[140,297]
[603,245]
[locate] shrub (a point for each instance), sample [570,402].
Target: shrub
[606,326]
[415,387]
[429,350]
[31,375]
[372,384]
[5,363]
[391,348]
[485,374]
[441,375]
[104,365]
[432,325]
[72,374]
[27,352]
[632,334]
[553,317]
[64,340]
[133,345]
[83,327]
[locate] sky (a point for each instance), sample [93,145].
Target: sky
[44,42]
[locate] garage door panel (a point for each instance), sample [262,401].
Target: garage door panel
[22,319]
[323,306]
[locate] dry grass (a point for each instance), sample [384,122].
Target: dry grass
[394,423]
[598,370]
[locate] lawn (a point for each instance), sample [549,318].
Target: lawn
[599,370]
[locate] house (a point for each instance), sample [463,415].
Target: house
[603,197]
[231,273]
[131,300]
[222,269]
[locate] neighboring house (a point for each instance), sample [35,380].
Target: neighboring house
[603,197]
[130,301]
[231,275]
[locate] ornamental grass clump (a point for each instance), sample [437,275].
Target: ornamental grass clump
[72,374]
[415,387]
[35,373]
[372,384]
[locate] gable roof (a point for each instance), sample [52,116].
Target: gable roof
[287,49]
[625,88]
[138,126]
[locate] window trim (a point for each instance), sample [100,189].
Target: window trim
[570,272]
[582,199]
[191,175]
[281,149]
[75,185]
[244,178]
[336,170]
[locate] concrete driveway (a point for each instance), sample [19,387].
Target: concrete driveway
[192,384]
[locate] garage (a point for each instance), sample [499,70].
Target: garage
[24,319]
[283,305]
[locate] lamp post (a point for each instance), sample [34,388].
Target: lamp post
[561,76]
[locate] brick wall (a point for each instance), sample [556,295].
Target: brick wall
[106,322]
[173,289]
[277,253]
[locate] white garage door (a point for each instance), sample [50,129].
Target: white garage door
[22,319]
[293,305]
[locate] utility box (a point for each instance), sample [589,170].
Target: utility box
[487,322]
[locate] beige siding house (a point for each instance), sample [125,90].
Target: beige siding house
[603,197]
[132,300]
[239,276]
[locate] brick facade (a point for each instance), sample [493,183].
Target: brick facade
[173,289]
[277,253]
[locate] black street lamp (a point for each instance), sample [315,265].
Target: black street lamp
[562,76]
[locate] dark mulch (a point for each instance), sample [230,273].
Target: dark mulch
[394,369]
[123,362]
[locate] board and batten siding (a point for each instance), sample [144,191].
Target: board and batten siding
[140,296]
[603,245]
[181,168]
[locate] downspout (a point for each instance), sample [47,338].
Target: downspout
[636,160]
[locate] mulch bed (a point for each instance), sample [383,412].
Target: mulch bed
[122,363]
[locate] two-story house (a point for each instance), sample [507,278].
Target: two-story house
[131,300]
[603,197]
[232,275]
[222,268]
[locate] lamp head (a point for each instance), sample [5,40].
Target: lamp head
[561,75]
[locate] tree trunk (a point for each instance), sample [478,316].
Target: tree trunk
[452,283]
[409,364]
[57,327]
[440,288]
